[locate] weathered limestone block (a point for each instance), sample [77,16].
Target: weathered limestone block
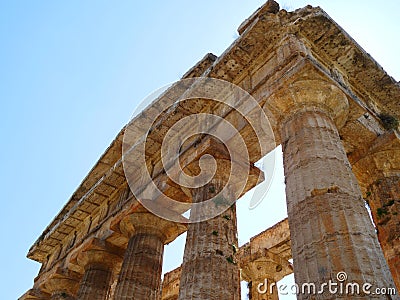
[170,284]
[330,228]
[99,260]
[275,238]
[270,7]
[61,285]
[34,294]
[140,275]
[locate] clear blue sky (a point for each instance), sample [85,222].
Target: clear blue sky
[72,72]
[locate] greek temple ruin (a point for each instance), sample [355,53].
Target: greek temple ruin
[334,111]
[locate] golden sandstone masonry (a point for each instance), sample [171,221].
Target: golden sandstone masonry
[336,114]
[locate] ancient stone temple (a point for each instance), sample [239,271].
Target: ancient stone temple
[335,112]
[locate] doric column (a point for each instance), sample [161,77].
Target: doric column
[140,275]
[330,228]
[99,260]
[209,269]
[63,284]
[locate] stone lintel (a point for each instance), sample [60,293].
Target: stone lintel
[275,237]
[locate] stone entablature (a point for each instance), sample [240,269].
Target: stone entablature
[272,45]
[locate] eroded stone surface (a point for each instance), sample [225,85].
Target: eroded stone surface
[384,200]
[209,269]
[140,275]
[99,260]
[170,285]
[330,228]
[276,50]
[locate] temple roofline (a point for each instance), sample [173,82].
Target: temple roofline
[356,70]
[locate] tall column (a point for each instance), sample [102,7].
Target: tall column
[209,269]
[384,200]
[330,228]
[140,275]
[99,260]
[62,285]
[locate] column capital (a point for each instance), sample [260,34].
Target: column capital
[308,94]
[262,264]
[62,281]
[101,253]
[148,223]
[34,294]
[220,164]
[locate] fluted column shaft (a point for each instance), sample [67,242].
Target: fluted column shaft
[140,276]
[209,269]
[329,224]
[96,283]
[384,200]
[99,259]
